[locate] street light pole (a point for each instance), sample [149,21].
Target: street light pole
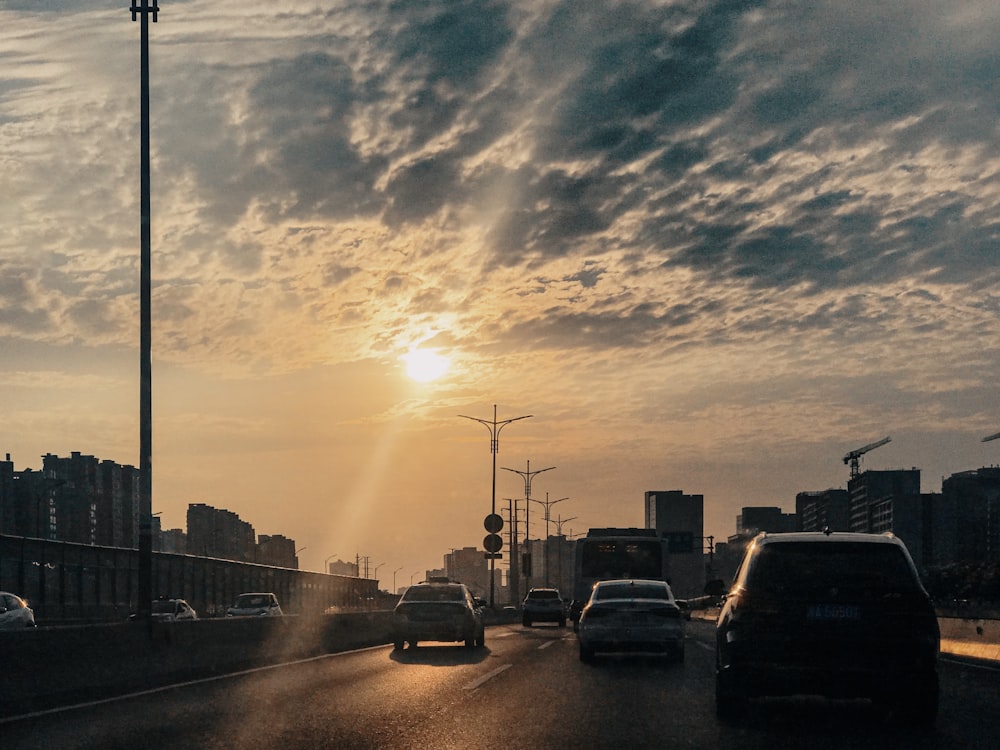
[141,10]
[394,579]
[548,504]
[528,475]
[494,427]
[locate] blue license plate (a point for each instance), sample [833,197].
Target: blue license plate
[833,612]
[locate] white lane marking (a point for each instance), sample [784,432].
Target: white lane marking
[706,646]
[486,677]
[186,683]
[545,645]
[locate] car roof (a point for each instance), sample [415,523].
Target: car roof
[439,585]
[766,537]
[632,581]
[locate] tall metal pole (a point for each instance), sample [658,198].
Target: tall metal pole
[143,11]
[528,476]
[494,427]
[548,504]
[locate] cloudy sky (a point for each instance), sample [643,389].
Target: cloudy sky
[709,246]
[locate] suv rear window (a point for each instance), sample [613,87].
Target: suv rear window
[543,594]
[793,568]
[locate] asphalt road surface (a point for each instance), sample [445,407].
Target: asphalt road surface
[526,689]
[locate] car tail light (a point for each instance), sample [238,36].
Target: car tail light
[743,604]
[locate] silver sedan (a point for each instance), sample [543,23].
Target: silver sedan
[631,615]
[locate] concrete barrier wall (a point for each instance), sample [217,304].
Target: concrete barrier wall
[970,637]
[45,667]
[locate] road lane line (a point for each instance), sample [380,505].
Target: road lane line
[175,685]
[486,677]
[545,645]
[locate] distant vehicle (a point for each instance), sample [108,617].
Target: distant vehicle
[543,605]
[616,553]
[631,615]
[438,612]
[255,605]
[170,610]
[15,612]
[838,615]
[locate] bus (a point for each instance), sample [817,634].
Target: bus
[610,553]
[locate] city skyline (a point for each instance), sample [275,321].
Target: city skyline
[710,247]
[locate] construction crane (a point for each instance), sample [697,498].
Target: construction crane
[854,457]
[988,438]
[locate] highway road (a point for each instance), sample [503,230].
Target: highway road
[526,689]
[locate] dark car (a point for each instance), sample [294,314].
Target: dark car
[631,615]
[838,615]
[543,605]
[438,612]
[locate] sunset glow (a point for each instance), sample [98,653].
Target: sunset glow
[425,365]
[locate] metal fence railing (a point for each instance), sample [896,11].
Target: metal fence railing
[66,582]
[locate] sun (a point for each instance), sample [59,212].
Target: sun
[425,365]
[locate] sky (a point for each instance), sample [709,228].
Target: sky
[708,246]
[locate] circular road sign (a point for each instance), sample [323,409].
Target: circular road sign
[493,523]
[492,543]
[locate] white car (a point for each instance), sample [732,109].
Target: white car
[631,615]
[15,612]
[255,605]
[171,610]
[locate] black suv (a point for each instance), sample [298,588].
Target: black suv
[543,605]
[840,615]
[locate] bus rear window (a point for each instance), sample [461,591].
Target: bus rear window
[622,559]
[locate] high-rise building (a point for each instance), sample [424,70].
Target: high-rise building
[825,509]
[468,565]
[680,519]
[754,519]
[216,532]
[174,541]
[881,501]
[276,550]
[967,519]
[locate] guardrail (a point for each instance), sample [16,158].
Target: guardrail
[46,667]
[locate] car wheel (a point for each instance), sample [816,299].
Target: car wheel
[481,640]
[562,623]
[586,654]
[470,642]
[526,622]
[413,644]
[398,645]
